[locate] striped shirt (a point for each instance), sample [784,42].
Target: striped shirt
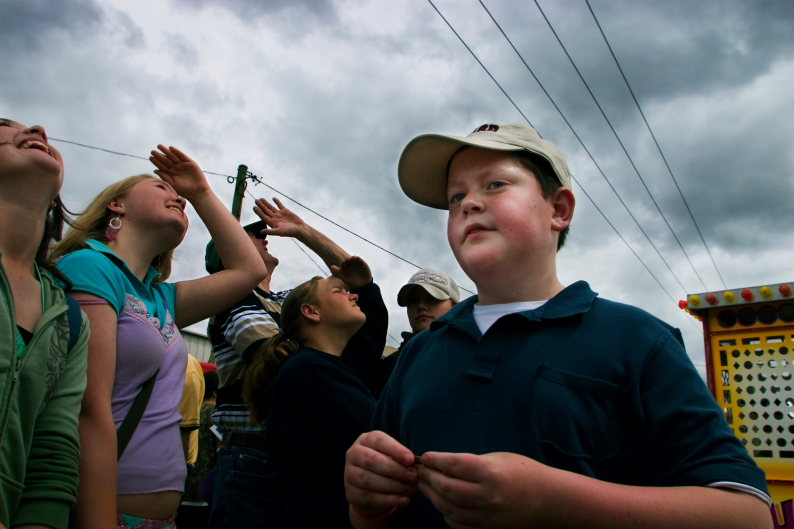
[235,334]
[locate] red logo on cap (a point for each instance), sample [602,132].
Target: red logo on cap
[486,128]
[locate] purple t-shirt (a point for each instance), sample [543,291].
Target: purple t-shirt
[147,339]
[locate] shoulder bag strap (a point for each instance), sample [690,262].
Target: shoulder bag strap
[75,320]
[127,428]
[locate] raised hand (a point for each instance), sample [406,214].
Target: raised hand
[282,221]
[180,171]
[354,271]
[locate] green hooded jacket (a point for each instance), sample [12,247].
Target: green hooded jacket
[40,396]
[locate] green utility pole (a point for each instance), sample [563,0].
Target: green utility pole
[239,190]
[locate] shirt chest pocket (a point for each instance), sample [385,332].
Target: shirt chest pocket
[577,416]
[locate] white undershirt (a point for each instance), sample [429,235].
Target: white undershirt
[486,315]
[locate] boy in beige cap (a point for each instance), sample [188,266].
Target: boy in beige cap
[534,404]
[427,296]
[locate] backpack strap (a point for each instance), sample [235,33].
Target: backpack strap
[127,428]
[130,423]
[75,320]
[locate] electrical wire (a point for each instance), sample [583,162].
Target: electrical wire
[257,180]
[592,158]
[122,153]
[584,190]
[481,64]
[620,142]
[658,147]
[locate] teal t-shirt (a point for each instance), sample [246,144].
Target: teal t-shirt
[99,271]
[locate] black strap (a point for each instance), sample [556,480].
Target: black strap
[127,428]
[75,320]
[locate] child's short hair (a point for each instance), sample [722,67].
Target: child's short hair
[548,181]
[424,162]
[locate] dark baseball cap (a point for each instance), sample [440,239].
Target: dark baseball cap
[212,261]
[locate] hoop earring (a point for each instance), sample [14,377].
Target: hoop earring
[114,225]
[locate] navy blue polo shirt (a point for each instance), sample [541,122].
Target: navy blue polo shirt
[581,384]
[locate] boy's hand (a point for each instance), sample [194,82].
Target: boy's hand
[180,171]
[354,272]
[379,474]
[490,490]
[282,222]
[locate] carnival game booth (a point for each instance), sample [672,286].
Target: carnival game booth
[749,338]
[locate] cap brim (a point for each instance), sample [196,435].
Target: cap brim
[212,261]
[405,292]
[255,228]
[422,170]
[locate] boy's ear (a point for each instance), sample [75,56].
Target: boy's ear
[563,203]
[310,313]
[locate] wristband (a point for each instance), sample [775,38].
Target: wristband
[371,518]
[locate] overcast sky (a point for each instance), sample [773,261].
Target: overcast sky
[319,98]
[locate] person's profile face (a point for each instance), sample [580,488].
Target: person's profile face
[337,304]
[154,204]
[28,149]
[260,242]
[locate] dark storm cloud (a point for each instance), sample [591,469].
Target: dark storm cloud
[696,45]
[28,24]
[43,43]
[319,99]
[668,50]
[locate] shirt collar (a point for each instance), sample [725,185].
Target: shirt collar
[103,248]
[572,300]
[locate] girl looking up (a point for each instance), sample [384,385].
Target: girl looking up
[43,340]
[312,402]
[118,256]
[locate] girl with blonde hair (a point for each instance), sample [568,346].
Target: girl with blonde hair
[118,256]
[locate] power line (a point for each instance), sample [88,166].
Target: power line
[658,147]
[257,180]
[592,201]
[128,155]
[481,64]
[620,142]
[230,179]
[592,158]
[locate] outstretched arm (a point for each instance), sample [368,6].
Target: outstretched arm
[365,348]
[504,490]
[201,298]
[284,222]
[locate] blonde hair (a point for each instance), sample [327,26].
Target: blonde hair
[92,223]
[261,374]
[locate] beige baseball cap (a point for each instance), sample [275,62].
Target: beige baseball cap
[437,283]
[422,170]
